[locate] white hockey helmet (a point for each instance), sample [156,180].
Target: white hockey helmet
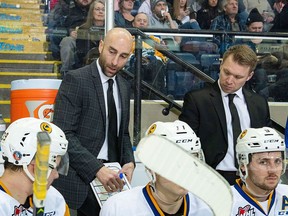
[256,140]
[19,143]
[178,132]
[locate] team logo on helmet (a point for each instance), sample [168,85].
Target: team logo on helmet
[17,155]
[46,127]
[243,134]
[152,129]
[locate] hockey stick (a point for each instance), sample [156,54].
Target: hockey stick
[175,164]
[41,170]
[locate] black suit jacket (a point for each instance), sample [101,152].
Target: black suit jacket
[203,110]
[80,113]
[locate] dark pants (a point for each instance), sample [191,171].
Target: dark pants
[90,207]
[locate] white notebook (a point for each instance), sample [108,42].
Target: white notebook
[101,194]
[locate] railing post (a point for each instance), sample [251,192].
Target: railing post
[109,11]
[137,91]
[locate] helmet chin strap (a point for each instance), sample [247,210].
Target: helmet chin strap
[28,173]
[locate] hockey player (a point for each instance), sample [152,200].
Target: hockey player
[261,158]
[19,146]
[161,196]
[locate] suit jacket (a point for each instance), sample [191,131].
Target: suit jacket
[203,110]
[80,113]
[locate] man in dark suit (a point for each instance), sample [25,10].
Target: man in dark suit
[208,114]
[81,112]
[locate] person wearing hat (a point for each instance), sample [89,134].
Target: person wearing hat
[255,21]
[161,18]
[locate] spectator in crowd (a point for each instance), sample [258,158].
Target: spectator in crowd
[145,7]
[264,8]
[281,19]
[123,17]
[237,67]
[275,66]
[161,196]
[68,49]
[55,22]
[254,23]
[162,19]
[228,21]
[181,11]
[70,17]
[19,148]
[209,10]
[90,33]
[82,113]
[153,61]
[261,156]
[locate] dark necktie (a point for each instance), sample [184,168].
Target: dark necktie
[113,152]
[236,127]
[235,118]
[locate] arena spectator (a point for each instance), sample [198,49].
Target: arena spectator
[281,19]
[181,11]
[228,21]
[209,10]
[264,9]
[153,61]
[123,17]
[90,33]
[67,20]
[162,19]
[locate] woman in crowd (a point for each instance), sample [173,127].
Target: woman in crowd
[181,11]
[91,32]
[123,17]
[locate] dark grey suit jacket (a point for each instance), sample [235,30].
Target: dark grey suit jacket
[80,113]
[203,110]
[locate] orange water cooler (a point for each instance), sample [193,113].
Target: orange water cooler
[34,98]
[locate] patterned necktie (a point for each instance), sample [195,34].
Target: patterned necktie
[113,151]
[236,127]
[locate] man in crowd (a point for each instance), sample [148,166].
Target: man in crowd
[229,21]
[161,18]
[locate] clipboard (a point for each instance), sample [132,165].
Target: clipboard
[99,191]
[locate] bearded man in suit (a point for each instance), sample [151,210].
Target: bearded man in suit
[81,112]
[207,111]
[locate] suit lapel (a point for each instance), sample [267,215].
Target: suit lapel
[98,88]
[250,106]
[218,105]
